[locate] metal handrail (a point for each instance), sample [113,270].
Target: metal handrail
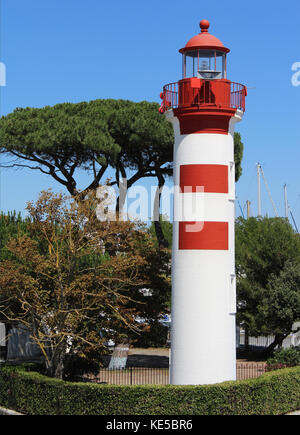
[202,95]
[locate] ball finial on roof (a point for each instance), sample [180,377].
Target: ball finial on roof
[204,25]
[204,41]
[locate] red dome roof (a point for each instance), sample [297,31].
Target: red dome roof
[204,41]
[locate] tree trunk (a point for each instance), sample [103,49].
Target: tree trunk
[277,342]
[56,366]
[162,241]
[247,347]
[121,198]
[60,369]
[4,353]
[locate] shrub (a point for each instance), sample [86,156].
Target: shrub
[79,365]
[284,358]
[273,393]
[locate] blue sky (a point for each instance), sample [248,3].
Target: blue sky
[70,50]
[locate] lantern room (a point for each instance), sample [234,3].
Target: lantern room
[204,56]
[204,82]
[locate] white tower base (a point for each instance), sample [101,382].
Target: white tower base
[203,348]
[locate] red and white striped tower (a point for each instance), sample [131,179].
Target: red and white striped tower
[203,108]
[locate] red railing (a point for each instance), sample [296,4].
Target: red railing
[238,96]
[194,92]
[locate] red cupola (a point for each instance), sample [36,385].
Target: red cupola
[204,55]
[204,88]
[204,40]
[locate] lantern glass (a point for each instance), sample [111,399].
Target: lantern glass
[204,64]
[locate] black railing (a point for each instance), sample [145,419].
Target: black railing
[159,376]
[129,376]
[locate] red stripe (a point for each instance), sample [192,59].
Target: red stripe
[204,120]
[214,178]
[203,235]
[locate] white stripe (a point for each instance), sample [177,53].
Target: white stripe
[216,149]
[201,207]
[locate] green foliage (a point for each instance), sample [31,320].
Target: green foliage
[284,358]
[91,135]
[273,393]
[238,155]
[80,364]
[267,268]
[65,132]
[280,305]
[156,271]
[263,246]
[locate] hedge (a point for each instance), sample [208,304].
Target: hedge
[31,393]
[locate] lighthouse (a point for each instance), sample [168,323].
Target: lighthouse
[203,107]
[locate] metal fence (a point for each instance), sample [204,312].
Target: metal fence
[159,376]
[249,370]
[129,376]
